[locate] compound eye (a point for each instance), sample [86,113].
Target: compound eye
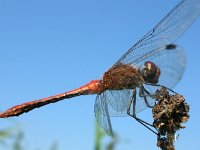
[150,72]
[151,68]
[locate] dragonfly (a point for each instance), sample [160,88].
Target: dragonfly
[125,89]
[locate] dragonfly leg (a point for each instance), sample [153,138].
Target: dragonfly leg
[142,94]
[133,102]
[161,86]
[133,98]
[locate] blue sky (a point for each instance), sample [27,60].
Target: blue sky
[48,47]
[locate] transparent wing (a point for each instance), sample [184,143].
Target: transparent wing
[166,32]
[102,114]
[119,100]
[170,60]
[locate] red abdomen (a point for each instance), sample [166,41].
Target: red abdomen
[93,87]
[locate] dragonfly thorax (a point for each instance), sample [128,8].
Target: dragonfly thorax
[121,76]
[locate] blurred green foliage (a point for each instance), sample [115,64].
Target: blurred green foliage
[18,140]
[100,136]
[54,146]
[5,134]
[13,139]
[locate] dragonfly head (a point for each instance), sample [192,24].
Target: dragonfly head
[150,72]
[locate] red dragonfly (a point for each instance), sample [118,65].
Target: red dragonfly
[125,88]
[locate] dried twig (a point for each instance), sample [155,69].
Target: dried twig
[169,113]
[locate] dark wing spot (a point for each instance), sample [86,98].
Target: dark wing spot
[171,46]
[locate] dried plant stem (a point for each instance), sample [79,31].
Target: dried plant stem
[169,113]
